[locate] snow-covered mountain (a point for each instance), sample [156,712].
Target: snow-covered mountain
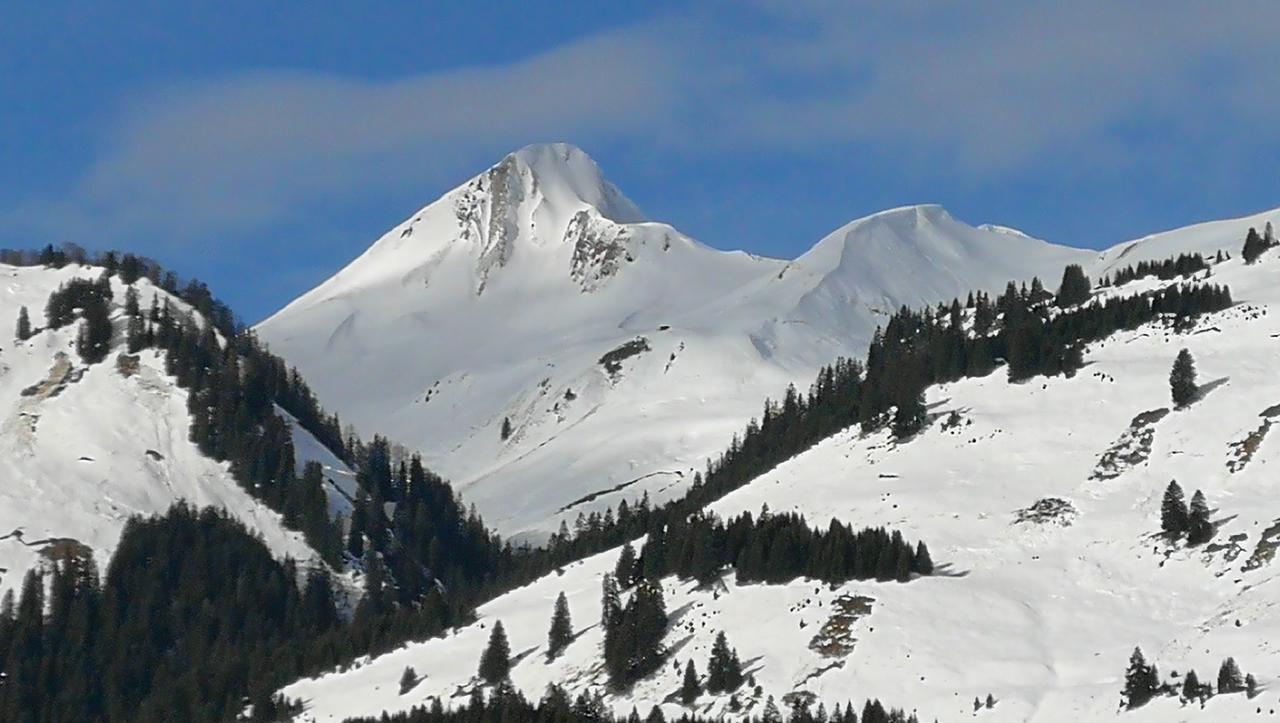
[616,352]
[1041,504]
[83,448]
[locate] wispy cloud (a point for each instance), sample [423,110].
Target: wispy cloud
[980,90]
[998,85]
[251,150]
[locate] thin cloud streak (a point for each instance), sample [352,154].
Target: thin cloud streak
[986,91]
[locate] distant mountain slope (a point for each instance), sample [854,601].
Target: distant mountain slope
[1041,505]
[618,352]
[1204,238]
[82,448]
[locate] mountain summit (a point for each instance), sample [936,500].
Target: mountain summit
[550,350]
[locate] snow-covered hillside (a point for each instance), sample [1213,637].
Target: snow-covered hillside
[1040,502]
[619,352]
[82,448]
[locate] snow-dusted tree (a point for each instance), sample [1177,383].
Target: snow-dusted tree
[561,632]
[495,662]
[1250,682]
[1173,512]
[506,428]
[1182,379]
[1199,528]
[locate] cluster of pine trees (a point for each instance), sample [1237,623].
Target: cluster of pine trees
[1142,683]
[633,631]
[193,618]
[771,548]
[1181,266]
[1178,519]
[724,673]
[91,300]
[505,704]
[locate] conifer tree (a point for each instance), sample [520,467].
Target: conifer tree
[625,571]
[1250,682]
[724,670]
[24,325]
[1141,681]
[1173,512]
[1199,528]
[1191,686]
[1182,379]
[771,714]
[1074,288]
[1254,245]
[408,679]
[135,330]
[495,662]
[610,607]
[923,563]
[561,632]
[690,689]
[1229,678]
[910,415]
[653,556]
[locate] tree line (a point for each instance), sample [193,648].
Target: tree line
[773,549]
[1181,266]
[505,704]
[193,619]
[1142,683]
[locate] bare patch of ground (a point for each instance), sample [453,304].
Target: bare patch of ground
[835,638]
[1131,449]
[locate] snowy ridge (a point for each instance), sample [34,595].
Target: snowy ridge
[1051,571]
[83,448]
[497,302]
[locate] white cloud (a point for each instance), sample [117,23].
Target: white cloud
[997,84]
[251,150]
[981,90]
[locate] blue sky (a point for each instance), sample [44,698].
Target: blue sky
[262,145]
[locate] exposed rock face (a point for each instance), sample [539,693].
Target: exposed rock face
[488,213]
[600,247]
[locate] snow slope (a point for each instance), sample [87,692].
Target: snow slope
[1040,613]
[84,448]
[499,301]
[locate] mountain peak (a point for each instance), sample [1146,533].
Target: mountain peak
[565,176]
